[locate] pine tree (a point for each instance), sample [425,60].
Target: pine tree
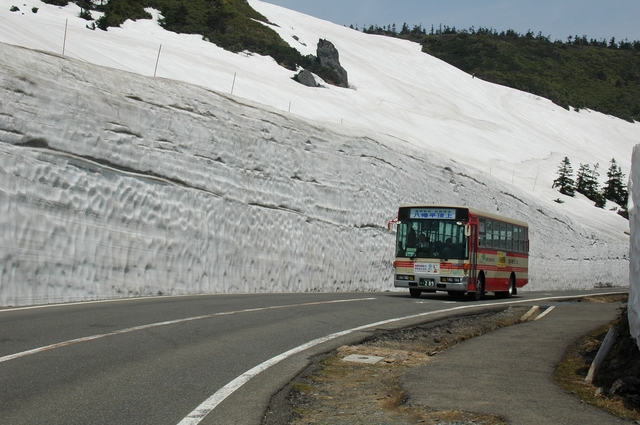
[615,190]
[600,200]
[565,178]
[587,181]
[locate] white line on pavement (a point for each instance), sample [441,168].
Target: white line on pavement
[207,406]
[170,322]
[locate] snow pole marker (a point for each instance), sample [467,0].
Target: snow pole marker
[157,60]
[64,41]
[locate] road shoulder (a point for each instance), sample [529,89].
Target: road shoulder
[509,372]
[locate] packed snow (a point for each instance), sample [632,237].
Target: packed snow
[139,162]
[633,309]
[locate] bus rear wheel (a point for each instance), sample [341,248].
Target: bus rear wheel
[415,293]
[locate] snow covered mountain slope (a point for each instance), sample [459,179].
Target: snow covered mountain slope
[119,184]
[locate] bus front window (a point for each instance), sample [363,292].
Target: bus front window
[443,239]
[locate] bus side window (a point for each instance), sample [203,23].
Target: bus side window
[523,239]
[489,233]
[518,238]
[510,237]
[482,236]
[496,234]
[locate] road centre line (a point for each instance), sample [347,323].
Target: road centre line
[169,322]
[207,406]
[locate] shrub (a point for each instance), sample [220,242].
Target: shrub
[56,2]
[85,14]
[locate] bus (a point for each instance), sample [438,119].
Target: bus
[459,250]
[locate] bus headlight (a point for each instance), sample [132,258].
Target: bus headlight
[405,277]
[451,279]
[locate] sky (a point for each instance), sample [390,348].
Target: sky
[557,19]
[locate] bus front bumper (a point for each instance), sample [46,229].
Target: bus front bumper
[432,283]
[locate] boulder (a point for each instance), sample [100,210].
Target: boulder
[306,78]
[328,56]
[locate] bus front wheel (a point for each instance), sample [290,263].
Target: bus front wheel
[415,293]
[510,291]
[478,294]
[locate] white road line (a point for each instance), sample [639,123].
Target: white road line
[170,322]
[40,306]
[207,406]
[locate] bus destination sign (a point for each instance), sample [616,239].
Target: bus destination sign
[433,213]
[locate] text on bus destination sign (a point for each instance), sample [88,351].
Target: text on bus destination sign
[441,213]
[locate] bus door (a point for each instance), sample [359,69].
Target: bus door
[472,239]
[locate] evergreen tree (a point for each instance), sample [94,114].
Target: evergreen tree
[587,181]
[615,190]
[582,178]
[565,178]
[600,200]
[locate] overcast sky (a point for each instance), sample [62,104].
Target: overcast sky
[555,18]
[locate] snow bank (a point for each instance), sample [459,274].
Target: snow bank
[634,265]
[114,185]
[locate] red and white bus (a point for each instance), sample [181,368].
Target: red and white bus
[460,250]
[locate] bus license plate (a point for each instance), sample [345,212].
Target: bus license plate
[427,282]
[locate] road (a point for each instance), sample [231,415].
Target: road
[188,360]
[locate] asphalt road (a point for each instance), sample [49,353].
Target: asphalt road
[187,360]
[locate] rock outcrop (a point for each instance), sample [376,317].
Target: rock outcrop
[328,56]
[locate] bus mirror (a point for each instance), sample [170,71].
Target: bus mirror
[467,230]
[391,223]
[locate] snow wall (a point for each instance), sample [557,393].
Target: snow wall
[633,309]
[118,185]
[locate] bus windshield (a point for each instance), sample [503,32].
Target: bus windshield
[443,239]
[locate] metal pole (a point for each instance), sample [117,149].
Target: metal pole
[157,60]
[536,180]
[64,42]
[234,82]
